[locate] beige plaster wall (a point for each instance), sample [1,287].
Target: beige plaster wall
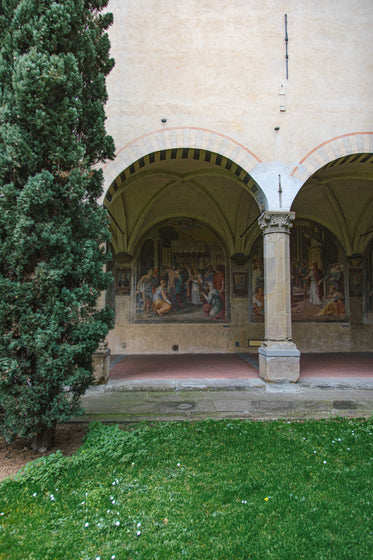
[332,337]
[220,65]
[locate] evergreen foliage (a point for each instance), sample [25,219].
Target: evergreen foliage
[54,57]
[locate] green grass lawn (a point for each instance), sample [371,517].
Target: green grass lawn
[198,490]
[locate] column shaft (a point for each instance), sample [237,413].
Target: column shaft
[278,356]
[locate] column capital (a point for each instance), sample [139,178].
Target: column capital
[276,222]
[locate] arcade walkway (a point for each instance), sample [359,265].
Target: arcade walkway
[233,366]
[180,387]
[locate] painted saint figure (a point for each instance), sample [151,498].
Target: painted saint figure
[161,303]
[314,277]
[145,288]
[214,303]
[334,304]
[194,287]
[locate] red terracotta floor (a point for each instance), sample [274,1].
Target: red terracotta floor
[355,364]
[182,366]
[233,366]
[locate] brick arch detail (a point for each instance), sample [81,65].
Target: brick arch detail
[332,149]
[169,138]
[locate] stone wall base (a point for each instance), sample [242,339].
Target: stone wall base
[279,362]
[101,364]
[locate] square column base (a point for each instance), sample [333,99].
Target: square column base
[279,362]
[101,364]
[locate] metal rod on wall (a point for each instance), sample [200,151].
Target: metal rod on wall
[286,47]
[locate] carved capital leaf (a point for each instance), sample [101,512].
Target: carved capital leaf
[276,222]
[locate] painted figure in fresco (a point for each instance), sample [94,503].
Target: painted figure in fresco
[178,288]
[314,277]
[257,275]
[355,284]
[171,289]
[214,304]
[219,282]
[161,303]
[208,281]
[334,303]
[145,288]
[194,287]
[258,302]
[239,284]
[334,276]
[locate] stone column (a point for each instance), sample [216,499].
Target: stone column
[101,363]
[101,358]
[278,357]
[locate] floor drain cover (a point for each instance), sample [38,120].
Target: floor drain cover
[184,406]
[344,405]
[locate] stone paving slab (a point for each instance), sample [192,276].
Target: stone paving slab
[290,401]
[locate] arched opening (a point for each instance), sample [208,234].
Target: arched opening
[182,219]
[330,238]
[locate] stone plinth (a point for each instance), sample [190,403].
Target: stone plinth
[101,364]
[279,362]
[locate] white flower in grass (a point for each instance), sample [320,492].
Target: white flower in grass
[34,494]
[52,497]
[324,462]
[113,557]
[178,465]
[98,557]
[117,523]
[138,525]
[138,533]
[108,511]
[2,513]
[83,502]
[244,501]
[86,524]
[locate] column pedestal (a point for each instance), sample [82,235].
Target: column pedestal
[101,364]
[278,356]
[279,362]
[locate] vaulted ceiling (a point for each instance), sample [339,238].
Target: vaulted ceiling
[340,197]
[217,193]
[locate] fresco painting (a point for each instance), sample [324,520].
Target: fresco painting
[240,284]
[123,280]
[256,295]
[181,275]
[316,273]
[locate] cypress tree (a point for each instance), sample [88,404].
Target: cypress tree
[54,57]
